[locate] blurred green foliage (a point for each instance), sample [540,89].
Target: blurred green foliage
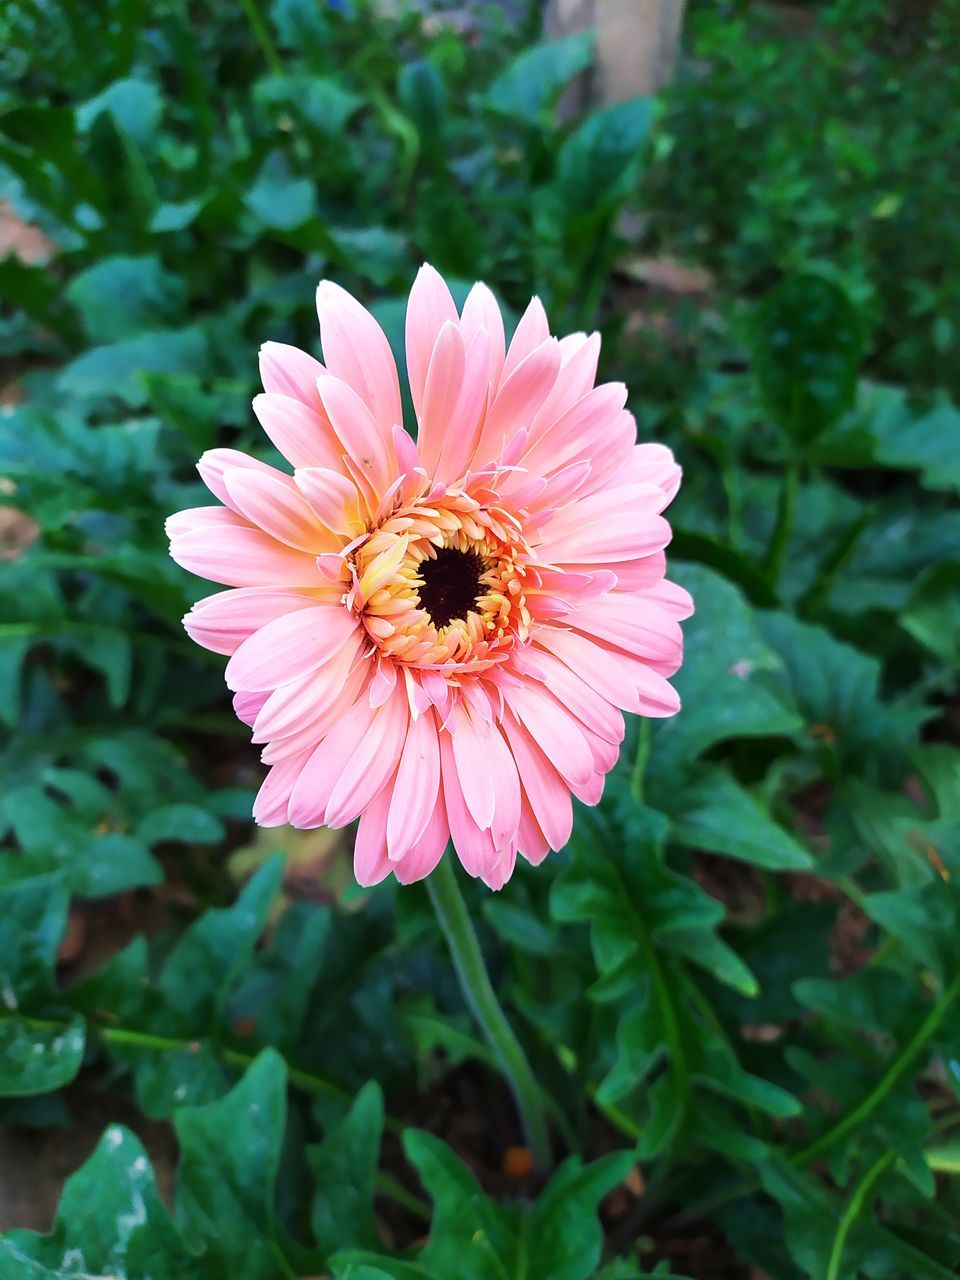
[742,975]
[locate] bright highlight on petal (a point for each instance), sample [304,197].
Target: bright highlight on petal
[439,638]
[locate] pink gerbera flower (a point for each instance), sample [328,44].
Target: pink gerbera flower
[438,638]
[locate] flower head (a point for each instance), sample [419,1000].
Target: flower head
[439,638]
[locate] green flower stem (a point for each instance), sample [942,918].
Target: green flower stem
[777,550]
[853,1211]
[468,961]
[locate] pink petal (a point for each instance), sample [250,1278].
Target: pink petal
[521,394]
[270,806]
[372,762]
[582,432]
[590,707]
[215,462]
[545,791]
[240,556]
[470,737]
[430,304]
[558,734]
[370,861]
[626,682]
[289,647]
[466,422]
[274,504]
[441,394]
[474,847]
[634,623]
[531,332]
[368,446]
[304,702]
[333,497]
[357,351]
[428,850]
[288,371]
[418,784]
[223,621]
[308,802]
[481,313]
[301,434]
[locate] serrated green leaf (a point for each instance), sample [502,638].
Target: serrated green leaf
[714,812]
[722,683]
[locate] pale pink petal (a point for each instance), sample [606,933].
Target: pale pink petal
[590,707]
[289,647]
[634,623]
[302,434]
[273,798]
[370,448]
[274,503]
[531,332]
[584,431]
[370,861]
[474,846]
[466,423]
[288,371]
[357,351]
[482,313]
[247,706]
[441,394]
[371,763]
[215,462]
[308,801]
[333,498]
[238,555]
[305,701]
[429,306]
[428,850]
[558,734]
[223,621]
[521,394]
[627,682]
[470,741]
[546,792]
[418,784]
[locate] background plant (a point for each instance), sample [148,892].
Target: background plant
[738,986]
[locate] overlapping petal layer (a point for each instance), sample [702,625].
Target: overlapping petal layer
[439,637]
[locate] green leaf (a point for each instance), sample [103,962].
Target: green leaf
[115,371]
[807,346]
[471,1237]
[111,1221]
[135,106]
[933,614]
[118,296]
[600,163]
[35,1058]
[565,1237]
[344,1169]
[528,88]
[723,682]
[230,1154]
[281,201]
[33,920]
[836,691]
[188,1001]
[187,823]
[324,103]
[714,812]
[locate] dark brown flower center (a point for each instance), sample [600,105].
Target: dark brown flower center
[451,584]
